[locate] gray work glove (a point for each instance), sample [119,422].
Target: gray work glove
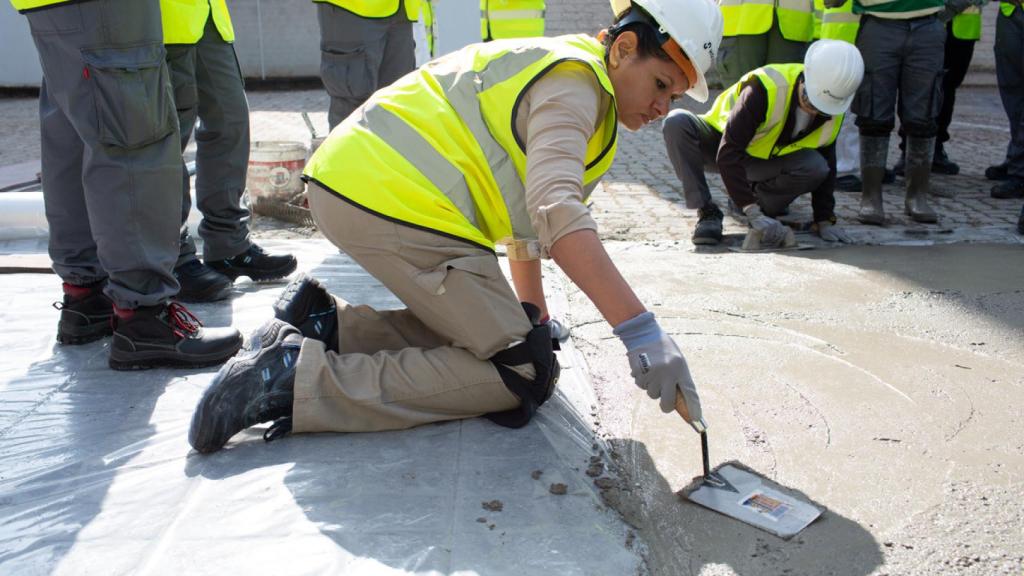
[658,366]
[773,232]
[829,232]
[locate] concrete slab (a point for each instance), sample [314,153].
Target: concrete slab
[98,477]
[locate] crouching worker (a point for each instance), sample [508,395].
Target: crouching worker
[772,138]
[498,142]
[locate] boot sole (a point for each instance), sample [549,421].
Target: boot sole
[923,219]
[295,304]
[871,220]
[150,360]
[706,241]
[260,275]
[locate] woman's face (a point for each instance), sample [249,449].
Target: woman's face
[644,87]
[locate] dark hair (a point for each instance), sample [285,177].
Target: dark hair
[647,37]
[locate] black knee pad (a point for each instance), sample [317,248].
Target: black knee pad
[538,349]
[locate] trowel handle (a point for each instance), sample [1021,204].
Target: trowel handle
[683,411]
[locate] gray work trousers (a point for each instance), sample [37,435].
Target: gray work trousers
[903,63]
[692,146]
[110,154]
[208,85]
[738,55]
[1010,76]
[359,55]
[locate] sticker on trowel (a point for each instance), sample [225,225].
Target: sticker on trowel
[749,498]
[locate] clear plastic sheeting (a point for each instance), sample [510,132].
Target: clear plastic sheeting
[98,477]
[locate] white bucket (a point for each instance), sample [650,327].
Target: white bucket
[275,171]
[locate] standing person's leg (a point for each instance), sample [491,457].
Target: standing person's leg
[85,311]
[780,180]
[1010,75]
[692,145]
[881,43]
[848,155]
[105,70]
[738,55]
[919,103]
[399,56]
[222,159]
[351,49]
[956,61]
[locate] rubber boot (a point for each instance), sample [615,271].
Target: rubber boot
[873,153]
[919,169]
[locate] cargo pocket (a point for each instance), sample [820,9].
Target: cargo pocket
[434,280]
[346,73]
[132,93]
[862,101]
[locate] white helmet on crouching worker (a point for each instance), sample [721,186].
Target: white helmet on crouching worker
[833,70]
[689,31]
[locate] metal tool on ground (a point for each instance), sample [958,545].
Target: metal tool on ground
[738,492]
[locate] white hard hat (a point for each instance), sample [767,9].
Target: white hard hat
[693,27]
[833,70]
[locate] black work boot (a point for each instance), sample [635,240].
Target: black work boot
[919,160]
[256,386]
[1013,187]
[256,264]
[200,283]
[709,225]
[941,164]
[848,183]
[306,305]
[168,335]
[85,314]
[998,172]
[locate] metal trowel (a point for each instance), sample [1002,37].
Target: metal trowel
[735,491]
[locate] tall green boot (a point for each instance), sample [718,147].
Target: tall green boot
[873,152]
[919,168]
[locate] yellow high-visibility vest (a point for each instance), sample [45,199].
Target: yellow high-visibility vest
[437,149]
[24,5]
[377,8]
[778,80]
[840,23]
[511,19]
[184,20]
[819,11]
[967,24]
[1006,8]
[750,17]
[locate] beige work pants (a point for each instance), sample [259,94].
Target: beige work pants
[425,363]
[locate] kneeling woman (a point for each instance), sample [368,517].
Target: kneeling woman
[498,143]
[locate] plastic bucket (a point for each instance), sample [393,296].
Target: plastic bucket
[275,171]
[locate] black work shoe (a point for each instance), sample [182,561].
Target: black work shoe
[1013,187]
[256,264]
[306,305]
[255,386]
[168,335]
[848,183]
[85,314]
[709,225]
[998,172]
[941,164]
[200,283]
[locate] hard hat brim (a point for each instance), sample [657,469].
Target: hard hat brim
[831,107]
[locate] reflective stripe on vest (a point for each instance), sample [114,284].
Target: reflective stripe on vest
[746,17]
[796,19]
[511,19]
[437,149]
[840,23]
[819,12]
[967,24]
[23,5]
[184,20]
[377,8]
[777,79]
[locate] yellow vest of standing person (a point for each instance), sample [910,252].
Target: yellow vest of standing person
[967,24]
[184,20]
[25,5]
[377,8]
[511,19]
[1007,8]
[437,149]
[778,80]
[750,17]
[840,23]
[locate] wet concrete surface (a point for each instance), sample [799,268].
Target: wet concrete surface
[884,384]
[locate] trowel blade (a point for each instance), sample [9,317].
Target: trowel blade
[749,498]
